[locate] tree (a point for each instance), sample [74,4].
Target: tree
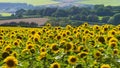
[115,19]
[92,18]
[60,13]
[105,19]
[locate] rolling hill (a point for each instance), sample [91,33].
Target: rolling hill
[45,2]
[105,2]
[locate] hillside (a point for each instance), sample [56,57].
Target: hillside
[105,2]
[45,2]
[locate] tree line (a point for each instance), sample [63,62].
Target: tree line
[90,14]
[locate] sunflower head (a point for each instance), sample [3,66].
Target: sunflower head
[29,46]
[54,48]
[1,38]
[15,54]
[42,55]
[58,37]
[7,48]
[113,44]
[112,32]
[115,52]
[5,54]
[101,39]
[72,59]
[42,49]
[83,54]
[105,66]
[80,48]
[16,43]
[69,46]
[97,54]
[85,24]
[55,65]
[11,62]
[113,39]
[32,50]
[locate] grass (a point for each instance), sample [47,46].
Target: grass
[5,14]
[105,2]
[100,17]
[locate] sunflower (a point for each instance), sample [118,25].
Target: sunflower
[101,39]
[58,37]
[29,46]
[64,34]
[112,32]
[96,27]
[42,49]
[11,62]
[85,24]
[14,54]
[55,65]
[113,39]
[33,32]
[115,52]
[69,46]
[113,44]
[105,66]
[36,39]
[70,38]
[7,48]
[83,54]
[32,50]
[108,38]
[93,43]
[54,48]
[16,43]
[62,42]
[68,27]
[5,54]
[84,38]
[97,54]
[48,25]
[24,51]
[1,38]
[42,55]
[72,59]
[77,35]
[80,48]
[68,32]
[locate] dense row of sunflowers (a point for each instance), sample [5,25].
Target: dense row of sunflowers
[85,46]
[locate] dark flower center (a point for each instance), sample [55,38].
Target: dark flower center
[10,63]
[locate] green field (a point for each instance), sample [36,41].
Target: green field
[5,14]
[105,2]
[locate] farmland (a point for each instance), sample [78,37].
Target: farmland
[105,2]
[5,14]
[39,21]
[60,47]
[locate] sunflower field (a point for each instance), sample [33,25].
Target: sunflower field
[83,46]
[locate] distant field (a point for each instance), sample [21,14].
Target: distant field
[43,2]
[33,2]
[105,2]
[5,14]
[39,21]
